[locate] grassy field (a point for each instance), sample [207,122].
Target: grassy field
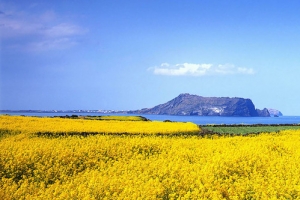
[143,166]
[245,129]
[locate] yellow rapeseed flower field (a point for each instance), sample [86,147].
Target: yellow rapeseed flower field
[266,166]
[58,126]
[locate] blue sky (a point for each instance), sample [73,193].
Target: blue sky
[127,55]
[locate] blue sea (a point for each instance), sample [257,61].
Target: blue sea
[201,120]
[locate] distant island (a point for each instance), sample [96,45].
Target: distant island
[187,104]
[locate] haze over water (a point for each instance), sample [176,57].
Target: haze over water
[201,120]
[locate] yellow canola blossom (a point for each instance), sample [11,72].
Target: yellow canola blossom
[58,126]
[266,166]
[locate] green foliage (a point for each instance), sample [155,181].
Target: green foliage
[107,117]
[120,118]
[245,129]
[6,133]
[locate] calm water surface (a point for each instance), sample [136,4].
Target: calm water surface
[201,120]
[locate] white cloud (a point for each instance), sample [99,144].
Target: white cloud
[191,69]
[58,43]
[182,69]
[62,30]
[243,70]
[46,30]
[225,69]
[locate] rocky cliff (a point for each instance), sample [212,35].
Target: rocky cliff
[187,104]
[274,112]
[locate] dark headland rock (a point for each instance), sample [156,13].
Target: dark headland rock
[187,104]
